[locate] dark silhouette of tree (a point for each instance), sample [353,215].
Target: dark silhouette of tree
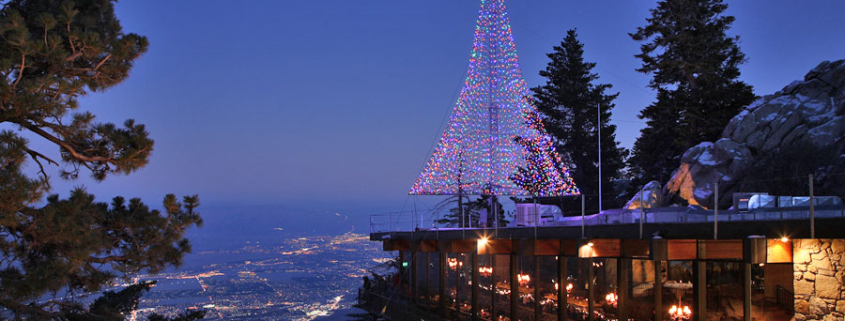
[569,103]
[52,53]
[695,71]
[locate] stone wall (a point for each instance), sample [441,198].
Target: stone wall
[819,269]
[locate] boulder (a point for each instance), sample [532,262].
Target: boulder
[651,196]
[808,111]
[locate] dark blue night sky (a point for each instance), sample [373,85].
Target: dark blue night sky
[337,104]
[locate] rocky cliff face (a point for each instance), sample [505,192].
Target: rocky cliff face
[805,112]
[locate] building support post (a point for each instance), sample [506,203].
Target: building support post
[442,298]
[561,289]
[402,275]
[746,289]
[623,272]
[474,299]
[658,290]
[458,286]
[538,307]
[591,291]
[414,289]
[426,278]
[493,267]
[699,288]
[514,287]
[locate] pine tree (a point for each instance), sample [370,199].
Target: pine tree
[52,53]
[568,103]
[695,69]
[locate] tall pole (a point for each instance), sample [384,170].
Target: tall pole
[716,212]
[642,212]
[582,216]
[598,126]
[812,211]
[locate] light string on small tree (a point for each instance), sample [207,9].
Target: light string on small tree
[544,173]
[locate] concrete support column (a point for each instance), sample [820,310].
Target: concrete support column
[561,288]
[474,299]
[442,290]
[699,290]
[591,290]
[746,292]
[514,287]
[623,272]
[658,290]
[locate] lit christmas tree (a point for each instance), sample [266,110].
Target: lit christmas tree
[544,173]
[477,153]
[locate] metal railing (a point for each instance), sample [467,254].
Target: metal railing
[428,221]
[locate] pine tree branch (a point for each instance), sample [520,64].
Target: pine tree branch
[72,151]
[35,155]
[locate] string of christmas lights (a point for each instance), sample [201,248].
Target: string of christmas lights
[478,152]
[544,173]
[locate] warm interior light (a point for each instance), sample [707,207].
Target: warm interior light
[784,239]
[590,244]
[482,241]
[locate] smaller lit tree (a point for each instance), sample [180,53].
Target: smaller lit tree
[544,173]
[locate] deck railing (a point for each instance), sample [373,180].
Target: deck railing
[433,221]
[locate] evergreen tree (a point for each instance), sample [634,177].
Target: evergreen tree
[695,68]
[568,103]
[52,52]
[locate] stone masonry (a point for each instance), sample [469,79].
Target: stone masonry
[819,284]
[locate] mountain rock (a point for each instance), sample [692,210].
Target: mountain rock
[811,111]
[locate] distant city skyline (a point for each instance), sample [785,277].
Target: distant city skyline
[337,104]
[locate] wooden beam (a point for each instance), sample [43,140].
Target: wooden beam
[674,250]
[569,248]
[498,246]
[720,250]
[459,246]
[635,248]
[426,246]
[600,248]
[539,247]
[395,245]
